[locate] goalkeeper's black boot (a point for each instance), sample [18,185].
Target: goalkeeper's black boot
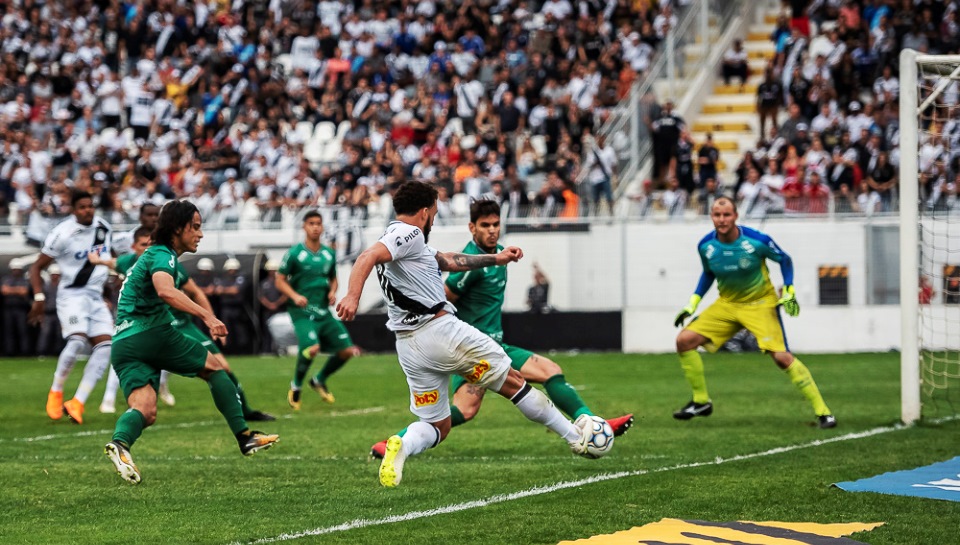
[694,409]
[827,421]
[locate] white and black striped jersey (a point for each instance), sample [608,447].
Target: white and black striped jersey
[411,283]
[69,243]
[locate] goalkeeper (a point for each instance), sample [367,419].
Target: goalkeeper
[736,257]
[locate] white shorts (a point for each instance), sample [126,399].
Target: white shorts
[83,313]
[447,346]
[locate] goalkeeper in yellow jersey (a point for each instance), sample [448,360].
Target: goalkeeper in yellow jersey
[736,257]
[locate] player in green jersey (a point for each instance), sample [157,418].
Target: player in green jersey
[145,342]
[478,295]
[308,277]
[736,256]
[182,321]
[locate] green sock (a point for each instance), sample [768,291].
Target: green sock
[227,401]
[303,365]
[243,397]
[333,364]
[129,427]
[565,397]
[692,365]
[456,417]
[801,378]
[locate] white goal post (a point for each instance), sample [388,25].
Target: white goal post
[929,131]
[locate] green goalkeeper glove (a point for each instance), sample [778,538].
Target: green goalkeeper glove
[789,301]
[687,311]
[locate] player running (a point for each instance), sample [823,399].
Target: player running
[146,342]
[182,321]
[478,295]
[736,257]
[308,277]
[432,344]
[83,314]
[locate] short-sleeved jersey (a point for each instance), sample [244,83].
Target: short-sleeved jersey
[125,263]
[139,307]
[69,243]
[480,292]
[412,282]
[740,267]
[309,274]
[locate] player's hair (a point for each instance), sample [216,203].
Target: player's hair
[725,199]
[312,214]
[174,217]
[414,196]
[483,207]
[142,232]
[78,195]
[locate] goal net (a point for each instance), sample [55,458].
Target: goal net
[930,235]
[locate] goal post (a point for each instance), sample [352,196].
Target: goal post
[929,134]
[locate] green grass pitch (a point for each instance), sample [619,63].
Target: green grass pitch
[59,488]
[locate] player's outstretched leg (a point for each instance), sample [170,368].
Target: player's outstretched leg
[801,378]
[692,365]
[418,437]
[65,362]
[92,372]
[119,454]
[227,400]
[249,414]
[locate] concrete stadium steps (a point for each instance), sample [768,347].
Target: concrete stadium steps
[731,103]
[735,122]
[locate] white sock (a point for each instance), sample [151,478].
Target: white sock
[68,357]
[164,377]
[96,365]
[538,408]
[419,437]
[110,393]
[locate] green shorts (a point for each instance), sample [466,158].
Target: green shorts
[518,356]
[326,331]
[194,333]
[139,358]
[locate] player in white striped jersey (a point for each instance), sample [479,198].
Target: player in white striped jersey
[84,316]
[432,343]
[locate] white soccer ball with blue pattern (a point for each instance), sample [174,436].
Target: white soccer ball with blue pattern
[601,437]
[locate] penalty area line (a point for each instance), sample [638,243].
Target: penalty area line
[547,489]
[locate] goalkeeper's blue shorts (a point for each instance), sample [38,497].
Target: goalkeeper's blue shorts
[723,320]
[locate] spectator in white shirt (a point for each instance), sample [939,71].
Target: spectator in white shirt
[735,63]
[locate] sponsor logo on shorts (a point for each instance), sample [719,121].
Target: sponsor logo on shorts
[478,371]
[426,398]
[126,324]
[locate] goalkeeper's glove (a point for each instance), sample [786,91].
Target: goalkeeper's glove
[687,311]
[788,301]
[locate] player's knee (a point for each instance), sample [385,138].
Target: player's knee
[348,353]
[443,428]
[686,341]
[469,408]
[212,364]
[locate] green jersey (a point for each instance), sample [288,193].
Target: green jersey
[309,274]
[139,307]
[125,264]
[480,293]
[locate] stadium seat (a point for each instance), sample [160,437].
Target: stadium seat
[108,135]
[325,131]
[460,204]
[331,151]
[468,142]
[342,129]
[313,150]
[304,130]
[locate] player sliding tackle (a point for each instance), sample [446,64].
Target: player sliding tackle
[432,344]
[145,342]
[736,257]
[478,295]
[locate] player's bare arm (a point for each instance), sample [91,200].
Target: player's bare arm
[370,258]
[285,288]
[332,294]
[35,316]
[166,290]
[454,262]
[196,294]
[96,259]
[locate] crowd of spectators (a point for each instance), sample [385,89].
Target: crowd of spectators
[158,99]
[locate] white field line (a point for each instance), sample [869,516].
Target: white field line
[88,433]
[547,489]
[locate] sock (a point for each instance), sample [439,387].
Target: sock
[456,417]
[65,362]
[129,427]
[227,401]
[110,393]
[692,365]
[96,365]
[801,378]
[243,397]
[164,378]
[333,364]
[303,365]
[538,408]
[565,397]
[419,437]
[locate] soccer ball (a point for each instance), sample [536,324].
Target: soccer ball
[601,437]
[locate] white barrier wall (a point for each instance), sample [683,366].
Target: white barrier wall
[648,270]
